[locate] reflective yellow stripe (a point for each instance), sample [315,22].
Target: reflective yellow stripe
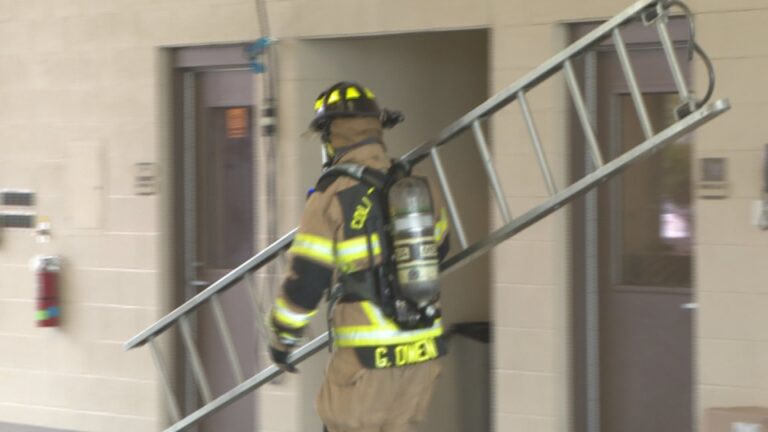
[352,93]
[369,94]
[360,336]
[288,317]
[356,248]
[313,247]
[318,104]
[375,316]
[441,227]
[381,331]
[287,338]
[334,97]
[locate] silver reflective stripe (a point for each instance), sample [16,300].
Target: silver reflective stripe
[414,222]
[288,317]
[357,248]
[361,336]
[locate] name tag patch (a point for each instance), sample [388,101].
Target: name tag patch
[387,356]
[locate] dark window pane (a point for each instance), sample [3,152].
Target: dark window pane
[656,217]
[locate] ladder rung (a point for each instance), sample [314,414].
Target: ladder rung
[173,404]
[226,336]
[490,170]
[534,134]
[581,110]
[674,65]
[583,114]
[258,312]
[634,89]
[194,357]
[454,213]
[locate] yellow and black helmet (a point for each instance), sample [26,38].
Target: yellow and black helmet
[349,99]
[344,99]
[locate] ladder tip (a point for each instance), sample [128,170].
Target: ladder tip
[722,104]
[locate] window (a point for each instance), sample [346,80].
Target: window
[656,219]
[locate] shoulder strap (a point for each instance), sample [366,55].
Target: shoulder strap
[358,172]
[344,150]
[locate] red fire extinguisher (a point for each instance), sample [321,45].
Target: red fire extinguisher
[47,269]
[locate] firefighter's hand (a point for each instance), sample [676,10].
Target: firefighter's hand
[280,357]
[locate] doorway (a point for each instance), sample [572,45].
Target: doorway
[215,215]
[632,254]
[434,78]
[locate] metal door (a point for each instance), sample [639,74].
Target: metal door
[217,153]
[636,250]
[226,230]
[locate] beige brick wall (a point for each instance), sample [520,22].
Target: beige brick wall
[530,360]
[732,282]
[90,71]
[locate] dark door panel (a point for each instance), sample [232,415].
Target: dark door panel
[632,253]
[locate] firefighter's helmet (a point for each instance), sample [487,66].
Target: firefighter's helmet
[349,99]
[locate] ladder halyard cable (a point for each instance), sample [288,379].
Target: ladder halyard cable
[659,16]
[694,47]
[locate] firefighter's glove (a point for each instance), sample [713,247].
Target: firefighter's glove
[283,340]
[280,357]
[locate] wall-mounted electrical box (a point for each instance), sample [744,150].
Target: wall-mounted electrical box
[712,178]
[145,178]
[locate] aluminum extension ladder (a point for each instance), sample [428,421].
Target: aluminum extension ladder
[690,115]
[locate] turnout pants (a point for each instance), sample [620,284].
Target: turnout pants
[356,399]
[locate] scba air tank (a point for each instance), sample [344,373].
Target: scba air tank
[413,232]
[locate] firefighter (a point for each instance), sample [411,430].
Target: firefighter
[381,375]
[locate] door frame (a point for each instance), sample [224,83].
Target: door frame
[186,64]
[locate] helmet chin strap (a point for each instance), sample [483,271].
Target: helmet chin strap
[324,156]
